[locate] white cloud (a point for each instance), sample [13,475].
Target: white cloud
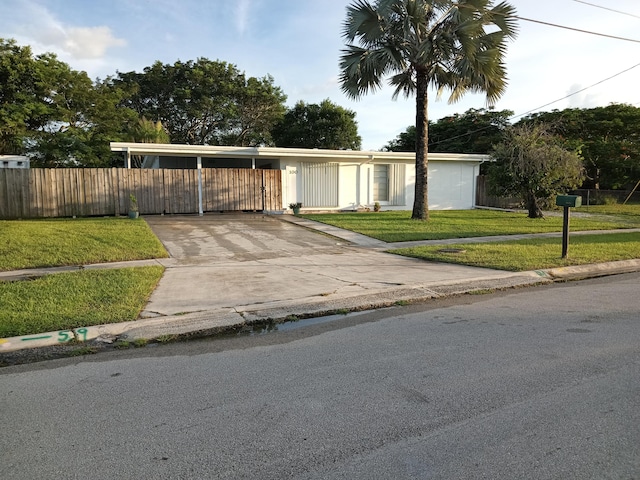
[42,30]
[242,15]
[90,42]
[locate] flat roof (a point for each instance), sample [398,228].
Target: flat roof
[179,150]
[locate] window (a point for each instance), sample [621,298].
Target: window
[381,183]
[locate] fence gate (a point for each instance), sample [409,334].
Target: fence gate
[241,189]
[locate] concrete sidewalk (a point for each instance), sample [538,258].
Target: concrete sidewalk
[229,271]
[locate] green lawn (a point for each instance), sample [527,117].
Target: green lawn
[534,254]
[54,242]
[70,300]
[631,210]
[397,226]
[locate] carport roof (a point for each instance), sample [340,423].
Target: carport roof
[177,150]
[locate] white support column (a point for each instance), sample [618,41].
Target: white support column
[127,160]
[200,210]
[253,163]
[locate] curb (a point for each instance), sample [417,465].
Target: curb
[578,272]
[219,321]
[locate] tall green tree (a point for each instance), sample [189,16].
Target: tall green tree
[259,105]
[404,141]
[206,102]
[456,45]
[26,83]
[534,164]
[474,131]
[312,125]
[609,138]
[55,114]
[86,118]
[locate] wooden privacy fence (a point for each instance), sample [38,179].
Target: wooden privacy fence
[65,192]
[485,200]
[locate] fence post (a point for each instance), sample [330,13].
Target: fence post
[200,210]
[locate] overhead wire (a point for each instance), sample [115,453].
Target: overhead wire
[607,8]
[576,92]
[572,93]
[606,35]
[542,106]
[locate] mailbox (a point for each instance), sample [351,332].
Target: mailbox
[568,200]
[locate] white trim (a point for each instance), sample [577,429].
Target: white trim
[303,153]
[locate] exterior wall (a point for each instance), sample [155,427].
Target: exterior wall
[333,179]
[451,186]
[348,187]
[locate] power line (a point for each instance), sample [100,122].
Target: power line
[542,106]
[607,8]
[564,26]
[576,92]
[576,29]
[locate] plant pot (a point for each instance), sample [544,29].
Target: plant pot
[296,210]
[133,214]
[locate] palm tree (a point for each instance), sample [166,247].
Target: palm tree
[457,45]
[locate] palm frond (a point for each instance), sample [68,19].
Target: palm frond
[458,44]
[404,82]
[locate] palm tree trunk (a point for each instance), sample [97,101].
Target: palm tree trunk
[420,202]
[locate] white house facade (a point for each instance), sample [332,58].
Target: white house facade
[330,179]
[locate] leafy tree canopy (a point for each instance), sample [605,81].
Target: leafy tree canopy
[25,94]
[475,131]
[206,102]
[533,163]
[309,125]
[54,113]
[609,138]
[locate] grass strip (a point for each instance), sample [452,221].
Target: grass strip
[534,254]
[632,209]
[397,226]
[81,241]
[70,300]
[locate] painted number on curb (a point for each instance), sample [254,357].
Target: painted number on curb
[68,335]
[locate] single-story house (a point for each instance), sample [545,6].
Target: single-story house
[330,179]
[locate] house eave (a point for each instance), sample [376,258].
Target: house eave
[278,152]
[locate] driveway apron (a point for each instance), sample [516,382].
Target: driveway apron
[228,261]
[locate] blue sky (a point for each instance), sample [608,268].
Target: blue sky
[298,42]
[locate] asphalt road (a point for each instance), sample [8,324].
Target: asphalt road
[538,383]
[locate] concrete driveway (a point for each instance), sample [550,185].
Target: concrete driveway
[239,262]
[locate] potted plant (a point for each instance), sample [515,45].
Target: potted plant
[133,206]
[295,207]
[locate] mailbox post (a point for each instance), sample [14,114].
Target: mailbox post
[567,201]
